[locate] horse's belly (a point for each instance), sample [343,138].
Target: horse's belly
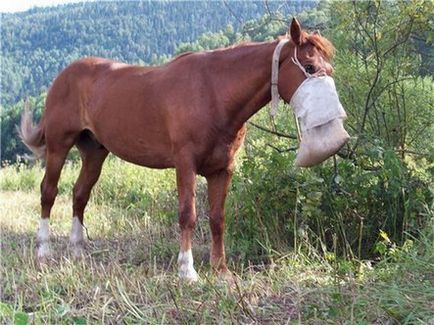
[133,135]
[146,160]
[146,157]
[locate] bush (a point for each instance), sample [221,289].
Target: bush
[274,206]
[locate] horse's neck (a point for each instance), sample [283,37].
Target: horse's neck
[247,85]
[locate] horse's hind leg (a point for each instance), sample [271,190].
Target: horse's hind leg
[55,158]
[93,156]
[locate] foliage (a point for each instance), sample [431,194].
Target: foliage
[12,149]
[126,186]
[339,208]
[377,72]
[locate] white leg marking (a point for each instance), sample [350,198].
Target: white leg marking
[76,231]
[43,238]
[76,237]
[185,266]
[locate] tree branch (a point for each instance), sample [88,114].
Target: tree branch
[282,150]
[279,134]
[225,2]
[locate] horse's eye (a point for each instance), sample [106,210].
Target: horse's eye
[309,68]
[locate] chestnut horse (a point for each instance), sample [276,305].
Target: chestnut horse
[188,114]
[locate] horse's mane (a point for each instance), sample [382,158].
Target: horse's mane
[182,55]
[322,44]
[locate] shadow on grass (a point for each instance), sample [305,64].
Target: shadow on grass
[133,249]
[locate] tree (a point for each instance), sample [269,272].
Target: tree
[377,68]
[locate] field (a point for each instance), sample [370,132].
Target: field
[129,273]
[350,241]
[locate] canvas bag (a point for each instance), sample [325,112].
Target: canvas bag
[318,109]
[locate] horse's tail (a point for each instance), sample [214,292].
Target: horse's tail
[32,135]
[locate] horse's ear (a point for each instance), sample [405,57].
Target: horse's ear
[317,32]
[296,32]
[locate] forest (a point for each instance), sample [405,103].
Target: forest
[350,241]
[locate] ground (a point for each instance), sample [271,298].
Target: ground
[129,276]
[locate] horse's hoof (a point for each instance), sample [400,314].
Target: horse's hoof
[43,253]
[226,278]
[77,251]
[188,276]
[187,273]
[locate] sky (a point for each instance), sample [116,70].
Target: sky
[22,5]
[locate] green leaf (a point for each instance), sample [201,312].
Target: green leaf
[79,320]
[380,248]
[21,318]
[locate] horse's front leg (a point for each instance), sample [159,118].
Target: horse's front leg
[186,183]
[218,185]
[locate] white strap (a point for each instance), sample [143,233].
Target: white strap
[319,73]
[275,76]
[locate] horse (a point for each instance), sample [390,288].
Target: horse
[189,114]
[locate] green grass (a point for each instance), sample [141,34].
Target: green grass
[130,276]
[129,273]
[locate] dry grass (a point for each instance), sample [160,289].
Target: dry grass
[129,276]
[129,273]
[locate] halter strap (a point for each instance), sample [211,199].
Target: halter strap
[275,97]
[319,73]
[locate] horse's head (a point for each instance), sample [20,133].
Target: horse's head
[304,80]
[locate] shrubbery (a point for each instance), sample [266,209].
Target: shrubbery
[337,208]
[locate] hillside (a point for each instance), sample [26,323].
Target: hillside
[37,44]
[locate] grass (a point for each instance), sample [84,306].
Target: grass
[129,273]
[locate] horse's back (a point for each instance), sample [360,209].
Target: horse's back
[84,85]
[77,77]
